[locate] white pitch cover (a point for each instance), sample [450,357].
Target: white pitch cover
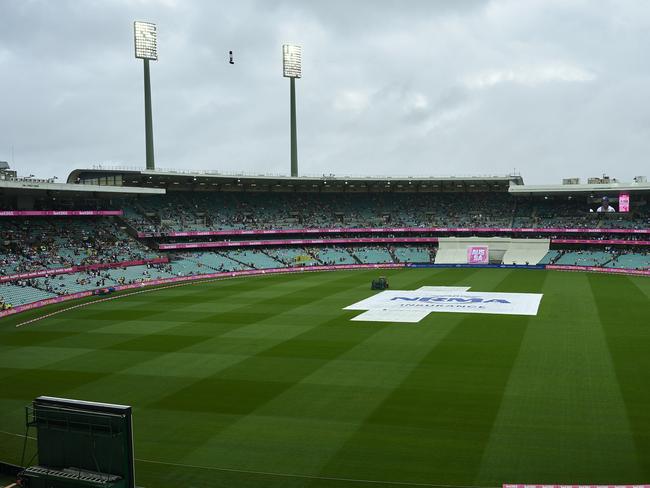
[379,315]
[413,305]
[443,289]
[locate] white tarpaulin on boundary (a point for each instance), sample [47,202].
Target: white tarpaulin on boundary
[414,305]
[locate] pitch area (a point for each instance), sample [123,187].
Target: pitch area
[265,381]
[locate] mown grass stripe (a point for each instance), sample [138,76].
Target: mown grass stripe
[245,386]
[626,325]
[320,407]
[436,423]
[336,380]
[562,419]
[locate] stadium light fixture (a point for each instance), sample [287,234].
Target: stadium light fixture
[292,61]
[292,69]
[145,36]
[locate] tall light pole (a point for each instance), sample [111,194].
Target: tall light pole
[146,48]
[292,69]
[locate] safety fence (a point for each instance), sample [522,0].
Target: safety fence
[59,213]
[76,269]
[373,230]
[566,267]
[601,242]
[299,242]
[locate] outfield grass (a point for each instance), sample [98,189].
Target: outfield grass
[264,375]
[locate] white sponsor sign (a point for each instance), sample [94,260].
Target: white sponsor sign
[414,305]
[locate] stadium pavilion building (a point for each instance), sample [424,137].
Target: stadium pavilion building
[148,226]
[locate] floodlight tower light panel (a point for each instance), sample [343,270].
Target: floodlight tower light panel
[292,61]
[146,40]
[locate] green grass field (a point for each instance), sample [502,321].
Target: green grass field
[266,382]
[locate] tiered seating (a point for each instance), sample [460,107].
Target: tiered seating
[8,264]
[224,211]
[71,283]
[291,256]
[412,254]
[186,267]
[550,256]
[254,258]
[611,258]
[40,243]
[369,255]
[134,274]
[334,255]
[575,213]
[217,261]
[209,262]
[631,261]
[178,211]
[584,258]
[20,295]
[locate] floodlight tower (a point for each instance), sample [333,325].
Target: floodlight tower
[292,68]
[146,48]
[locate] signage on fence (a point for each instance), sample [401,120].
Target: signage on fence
[58,213]
[75,269]
[575,486]
[276,242]
[396,230]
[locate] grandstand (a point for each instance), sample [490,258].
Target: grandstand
[329,221]
[191,212]
[217,262]
[37,243]
[334,255]
[630,260]
[254,259]
[368,255]
[413,254]
[21,293]
[203,202]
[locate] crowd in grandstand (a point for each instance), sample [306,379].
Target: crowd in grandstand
[185,211]
[43,245]
[189,264]
[607,257]
[40,243]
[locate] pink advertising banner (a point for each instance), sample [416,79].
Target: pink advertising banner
[378,230]
[601,242]
[76,269]
[163,281]
[478,255]
[276,242]
[562,267]
[57,213]
[624,202]
[575,486]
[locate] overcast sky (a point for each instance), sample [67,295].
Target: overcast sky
[549,88]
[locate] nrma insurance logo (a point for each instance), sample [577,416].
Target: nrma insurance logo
[414,305]
[450,299]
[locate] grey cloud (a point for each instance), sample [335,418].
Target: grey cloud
[552,88]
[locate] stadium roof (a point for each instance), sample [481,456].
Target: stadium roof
[212,180]
[22,185]
[615,187]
